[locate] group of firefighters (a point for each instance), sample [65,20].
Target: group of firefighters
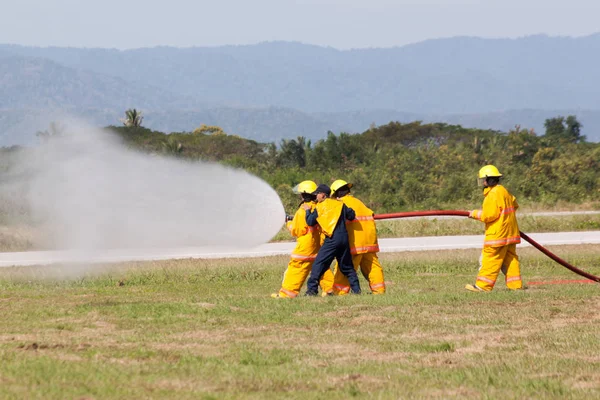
[331,223]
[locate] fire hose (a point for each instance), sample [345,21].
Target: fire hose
[466,214]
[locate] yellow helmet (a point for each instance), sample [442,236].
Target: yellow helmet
[489,171]
[305,187]
[338,184]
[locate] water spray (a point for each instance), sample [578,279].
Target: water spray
[461,213]
[89,193]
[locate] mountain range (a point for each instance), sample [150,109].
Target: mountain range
[276,90]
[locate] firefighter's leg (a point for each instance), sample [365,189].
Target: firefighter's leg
[294,277]
[491,262]
[372,271]
[341,286]
[512,268]
[344,259]
[326,282]
[322,263]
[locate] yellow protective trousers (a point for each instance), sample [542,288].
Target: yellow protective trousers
[296,274]
[371,269]
[496,259]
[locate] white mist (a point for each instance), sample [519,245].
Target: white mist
[92,193]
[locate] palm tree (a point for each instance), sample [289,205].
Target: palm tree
[293,152]
[133,118]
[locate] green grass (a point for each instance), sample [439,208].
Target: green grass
[208,329]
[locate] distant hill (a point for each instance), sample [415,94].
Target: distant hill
[39,83]
[279,90]
[456,75]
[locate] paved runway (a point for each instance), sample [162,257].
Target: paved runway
[272,249]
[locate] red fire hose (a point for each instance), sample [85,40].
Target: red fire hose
[466,214]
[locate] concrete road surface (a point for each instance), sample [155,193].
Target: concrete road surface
[272,249]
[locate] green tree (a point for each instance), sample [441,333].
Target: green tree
[133,118]
[523,144]
[574,129]
[557,131]
[172,146]
[293,152]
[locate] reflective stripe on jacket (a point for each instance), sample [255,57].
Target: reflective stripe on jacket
[309,237]
[362,232]
[499,215]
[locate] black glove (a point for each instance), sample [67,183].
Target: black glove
[288,217]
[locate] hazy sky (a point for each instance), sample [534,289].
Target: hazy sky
[338,23]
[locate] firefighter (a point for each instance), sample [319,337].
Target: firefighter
[362,235]
[331,215]
[308,243]
[501,234]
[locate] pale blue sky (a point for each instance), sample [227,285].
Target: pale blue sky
[341,24]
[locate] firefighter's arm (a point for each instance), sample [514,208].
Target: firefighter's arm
[475,214]
[297,226]
[311,216]
[293,229]
[350,213]
[491,211]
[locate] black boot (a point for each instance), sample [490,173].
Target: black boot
[354,284]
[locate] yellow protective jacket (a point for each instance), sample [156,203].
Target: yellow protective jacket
[329,212]
[309,237]
[362,233]
[499,214]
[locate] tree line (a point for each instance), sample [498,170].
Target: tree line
[394,167]
[408,166]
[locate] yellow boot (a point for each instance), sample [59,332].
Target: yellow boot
[473,288]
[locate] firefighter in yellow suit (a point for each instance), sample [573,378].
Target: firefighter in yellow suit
[362,235]
[308,244]
[501,234]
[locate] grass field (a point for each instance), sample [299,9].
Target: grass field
[207,329]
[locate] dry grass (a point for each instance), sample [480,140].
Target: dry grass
[208,329]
